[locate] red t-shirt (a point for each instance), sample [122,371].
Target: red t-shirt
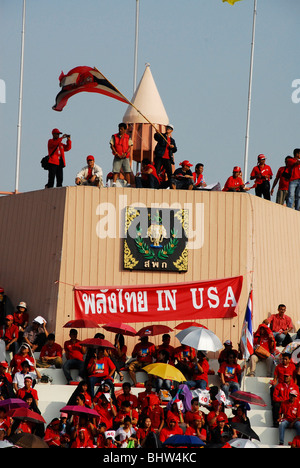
[9,333]
[101,367]
[73,350]
[283,182]
[51,351]
[144,352]
[192,432]
[16,362]
[230,371]
[282,391]
[20,318]
[278,323]
[166,432]
[290,411]
[22,391]
[265,171]
[281,370]
[201,376]
[233,183]
[133,400]
[294,168]
[106,415]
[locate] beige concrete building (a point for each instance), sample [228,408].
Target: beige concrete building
[52,240]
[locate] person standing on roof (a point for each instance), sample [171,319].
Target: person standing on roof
[262,174]
[122,147]
[164,151]
[56,152]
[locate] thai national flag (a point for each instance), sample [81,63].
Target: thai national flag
[246,343]
[84,79]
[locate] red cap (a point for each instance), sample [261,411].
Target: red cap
[9,317]
[90,158]
[185,163]
[261,156]
[237,169]
[55,130]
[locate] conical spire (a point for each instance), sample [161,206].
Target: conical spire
[147,99]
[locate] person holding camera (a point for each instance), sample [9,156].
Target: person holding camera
[56,152]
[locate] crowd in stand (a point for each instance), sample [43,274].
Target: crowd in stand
[160,172]
[105,415]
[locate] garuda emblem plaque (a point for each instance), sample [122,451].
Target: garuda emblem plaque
[156,239]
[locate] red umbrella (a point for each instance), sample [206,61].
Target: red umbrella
[25,414]
[152,330]
[81,323]
[80,410]
[119,327]
[184,325]
[96,343]
[248,397]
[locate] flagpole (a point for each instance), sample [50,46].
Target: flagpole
[136,44]
[250,92]
[19,127]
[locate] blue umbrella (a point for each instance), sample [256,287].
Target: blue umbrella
[183,441]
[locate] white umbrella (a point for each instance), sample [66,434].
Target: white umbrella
[242,443]
[200,339]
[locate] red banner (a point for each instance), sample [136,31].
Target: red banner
[159,303]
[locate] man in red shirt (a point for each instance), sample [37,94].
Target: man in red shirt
[149,177]
[143,353]
[51,353]
[9,333]
[283,187]
[74,356]
[127,396]
[56,152]
[262,174]
[293,197]
[281,325]
[234,183]
[289,415]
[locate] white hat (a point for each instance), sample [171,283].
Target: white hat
[22,304]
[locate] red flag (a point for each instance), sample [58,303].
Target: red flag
[86,79]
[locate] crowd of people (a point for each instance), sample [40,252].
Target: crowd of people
[159,173]
[107,415]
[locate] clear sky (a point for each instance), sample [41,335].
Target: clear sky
[199,53]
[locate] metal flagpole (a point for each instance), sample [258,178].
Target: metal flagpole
[136,44]
[19,127]
[250,93]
